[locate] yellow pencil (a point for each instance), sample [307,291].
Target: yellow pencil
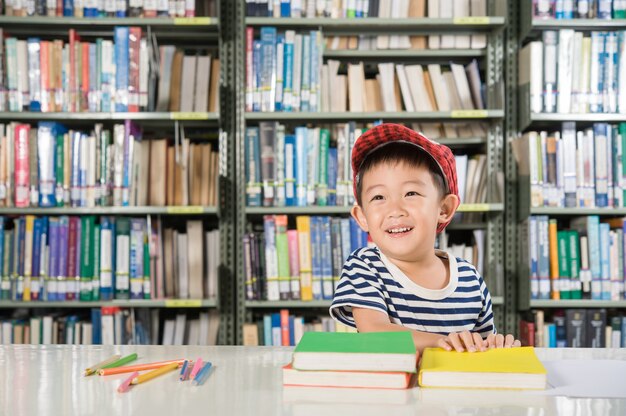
[155,373]
[91,370]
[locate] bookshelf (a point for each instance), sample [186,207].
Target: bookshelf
[530,302]
[187,33]
[492,66]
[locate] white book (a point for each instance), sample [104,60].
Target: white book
[585,73]
[439,87]
[297,72]
[188,84]
[399,10]
[195,254]
[530,59]
[479,238]
[325,92]
[565,68]
[610,73]
[621,74]
[473,76]
[107,330]
[446,12]
[597,49]
[478,8]
[179,331]
[576,72]
[35,330]
[144,72]
[461,8]
[434,41]
[22,74]
[193,338]
[461,171]
[168,332]
[203,330]
[569,163]
[453,94]
[86,335]
[407,99]
[201,89]
[119,327]
[462,86]
[46,332]
[387,86]
[471,173]
[417,86]
[550,51]
[7,333]
[356,87]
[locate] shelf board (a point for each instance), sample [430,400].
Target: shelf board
[445,54]
[582,303]
[372,116]
[334,210]
[288,304]
[144,210]
[167,303]
[495,300]
[577,211]
[208,23]
[373,24]
[201,118]
[578,24]
[589,118]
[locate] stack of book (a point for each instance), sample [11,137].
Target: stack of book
[369,360]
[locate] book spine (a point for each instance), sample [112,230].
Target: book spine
[121,39]
[122,261]
[326,257]
[137,232]
[303,224]
[271,259]
[290,170]
[5,281]
[87,257]
[253,168]
[294,264]
[107,258]
[95,280]
[301,166]
[21,163]
[35,283]
[321,187]
[46,142]
[282,252]
[287,104]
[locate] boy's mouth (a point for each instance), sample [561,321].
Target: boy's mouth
[399,231]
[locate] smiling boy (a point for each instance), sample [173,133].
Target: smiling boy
[406,191]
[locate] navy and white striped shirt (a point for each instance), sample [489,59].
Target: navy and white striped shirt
[369,280]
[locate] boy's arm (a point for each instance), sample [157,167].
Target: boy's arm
[370,320]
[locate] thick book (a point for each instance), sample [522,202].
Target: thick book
[501,368]
[372,351]
[358,379]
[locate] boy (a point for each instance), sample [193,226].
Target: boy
[406,191]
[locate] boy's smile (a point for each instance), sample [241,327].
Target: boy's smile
[401,209]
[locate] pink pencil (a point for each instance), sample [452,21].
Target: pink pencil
[125,386]
[196,367]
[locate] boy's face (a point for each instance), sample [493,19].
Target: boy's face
[401,208]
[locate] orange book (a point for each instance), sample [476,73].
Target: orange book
[303,225]
[554,260]
[284,327]
[44,56]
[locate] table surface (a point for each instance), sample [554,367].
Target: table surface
[47,380]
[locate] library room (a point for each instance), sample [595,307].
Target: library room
[305,207]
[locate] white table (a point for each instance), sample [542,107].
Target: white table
[47,380]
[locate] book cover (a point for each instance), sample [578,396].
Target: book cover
[357,379]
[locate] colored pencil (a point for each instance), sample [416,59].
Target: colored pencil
[125,386]
[94,368]
[196,367]
[137,367]
[154,373]
[122,361]
[183,370]
[202,375]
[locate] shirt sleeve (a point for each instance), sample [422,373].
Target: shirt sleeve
[359,286]
[485,324]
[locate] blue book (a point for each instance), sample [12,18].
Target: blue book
[326,257]
[43,266]
[288,70]
[551,335]
[332,176]
[290,170]
[301,166]
[605,262]
[623,331]
[68,8]
[355,236]
[75,169]
[305,86]
[277,339]
[47,134]
[137,232]
[314,83]
[51,290]
[285,8]
[253,168]
[267,329]
[256,64]
[292,337]
[96,326]
[604,9]
[346,243]
[35,282]
[316,257]
[121,67]
[268,68]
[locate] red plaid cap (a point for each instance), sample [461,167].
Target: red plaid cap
[387,133]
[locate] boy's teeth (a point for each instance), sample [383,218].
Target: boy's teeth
[399,230]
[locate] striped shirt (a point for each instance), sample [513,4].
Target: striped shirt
[369,280]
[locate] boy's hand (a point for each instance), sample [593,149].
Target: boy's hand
[501,341]
[461,341]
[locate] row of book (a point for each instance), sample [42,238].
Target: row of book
[111,326]
[118,75]
[133,8]
[582,259]
[51,166]
[302,169]
[76,258]
[575,72]
[384,9]
[285,329]
[576,328]
[579,9]
[472,250]
[574,168]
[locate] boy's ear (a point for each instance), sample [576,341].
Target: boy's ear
[447,208]
[359,216]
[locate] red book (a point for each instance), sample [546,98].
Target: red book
[22,171]
[134,44]
[284,326]
[84,79]
[74,87]
[527,333]
[72,259]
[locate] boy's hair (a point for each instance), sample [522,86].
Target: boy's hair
[397,153]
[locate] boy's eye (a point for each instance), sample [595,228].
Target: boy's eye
[377,198]
[412,193]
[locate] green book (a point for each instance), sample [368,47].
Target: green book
[147,284]
[59,170]
[576,286]
[564,264]
[87,256]
[95,282]
[370,351]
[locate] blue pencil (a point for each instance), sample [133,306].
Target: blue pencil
[202,375]
[183,370]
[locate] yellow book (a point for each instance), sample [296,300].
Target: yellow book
[502,368]
[303,225]
[554,260]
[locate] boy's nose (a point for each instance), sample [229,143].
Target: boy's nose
[396,209]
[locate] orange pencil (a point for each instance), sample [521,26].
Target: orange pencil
[137,367]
